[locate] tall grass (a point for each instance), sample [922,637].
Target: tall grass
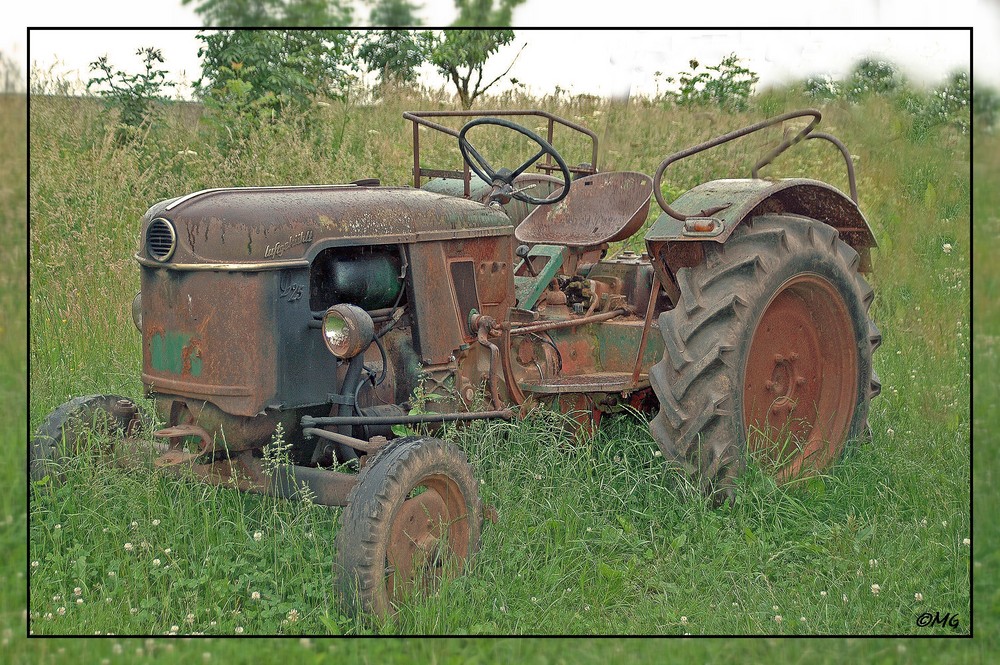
[592,537]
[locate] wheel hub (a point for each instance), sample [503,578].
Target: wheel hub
[800,377]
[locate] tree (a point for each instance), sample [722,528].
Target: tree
[273,13]
[727,85]
[483,13]
[394,55]
[461,55]
[252,75]
[393,13]
[132,94]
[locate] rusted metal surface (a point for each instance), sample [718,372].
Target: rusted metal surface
[426,522]
[801,377]
[274,225]
[422,418]
[421,118]
[731,136]
[568,323]
[646,325]
[605,207]
[599,382]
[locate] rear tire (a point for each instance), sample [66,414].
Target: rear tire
[770,337]
[413,518]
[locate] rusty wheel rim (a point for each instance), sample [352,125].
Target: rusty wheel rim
[429,538]
[800,382]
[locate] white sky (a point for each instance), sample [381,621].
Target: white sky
[598,62]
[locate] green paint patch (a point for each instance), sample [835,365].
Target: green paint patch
[171,351]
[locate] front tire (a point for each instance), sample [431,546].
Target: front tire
[66,430]
[768,353]
[413,518]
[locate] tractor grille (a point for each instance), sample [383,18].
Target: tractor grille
[160,239]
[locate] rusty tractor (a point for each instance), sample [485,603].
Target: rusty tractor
[320,314]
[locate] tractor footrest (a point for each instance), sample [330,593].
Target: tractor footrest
[603,382]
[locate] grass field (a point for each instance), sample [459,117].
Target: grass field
[590,539]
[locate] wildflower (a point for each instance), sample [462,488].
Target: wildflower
[923,522]
[534,600]
[77,591]
[657,453]
[128,547]
[946,248]
[56,598]
[890,432]
[112,574]
[48,616]
[919,597]
[238,630]
[777,618]
[213,623]
[167,551]
[34,564]
[966,542]
[586,608]
[872,563]
[79,601]
[538,476]
[844,597]
[133,610]
[945,524]
[255,595]
[293,615]
[134,524]
[684,621]
[257,535]
[61,611]
[823,593]
[802,620]
[774,607]
[156,522]
[189,618]
[174,628]
[875,589]
[156,562]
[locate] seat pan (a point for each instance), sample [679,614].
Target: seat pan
[600,208]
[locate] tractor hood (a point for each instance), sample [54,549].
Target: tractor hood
[256,228]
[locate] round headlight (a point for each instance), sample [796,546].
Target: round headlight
[137,311]
[347,330]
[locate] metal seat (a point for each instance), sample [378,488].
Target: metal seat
[600,208]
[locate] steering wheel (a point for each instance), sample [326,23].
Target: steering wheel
[482,168]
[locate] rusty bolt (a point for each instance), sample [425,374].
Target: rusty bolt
[794,356]
[800,380]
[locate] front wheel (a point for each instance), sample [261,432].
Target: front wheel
[67,430]
[768,354]
[413,518]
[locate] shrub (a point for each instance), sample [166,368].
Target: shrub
[132,95]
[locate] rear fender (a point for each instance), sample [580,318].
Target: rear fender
[729,202]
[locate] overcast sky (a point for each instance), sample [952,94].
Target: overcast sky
[603,62]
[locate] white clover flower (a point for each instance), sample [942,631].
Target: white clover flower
[875,589]
[167,551]
[77,591]
[890,432]
[34,564]
[844,597]
[128,547]
[79,601]
[174,628]
[238,630]
[57,527]
[255,595]
[156,522]
[56,598]
[823,593]
[919,597]
[156,562]
[777,618]
[134,524]
[257,535]
[293,615]
[684,621]
[61,611]
[946,248]
[967,542]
